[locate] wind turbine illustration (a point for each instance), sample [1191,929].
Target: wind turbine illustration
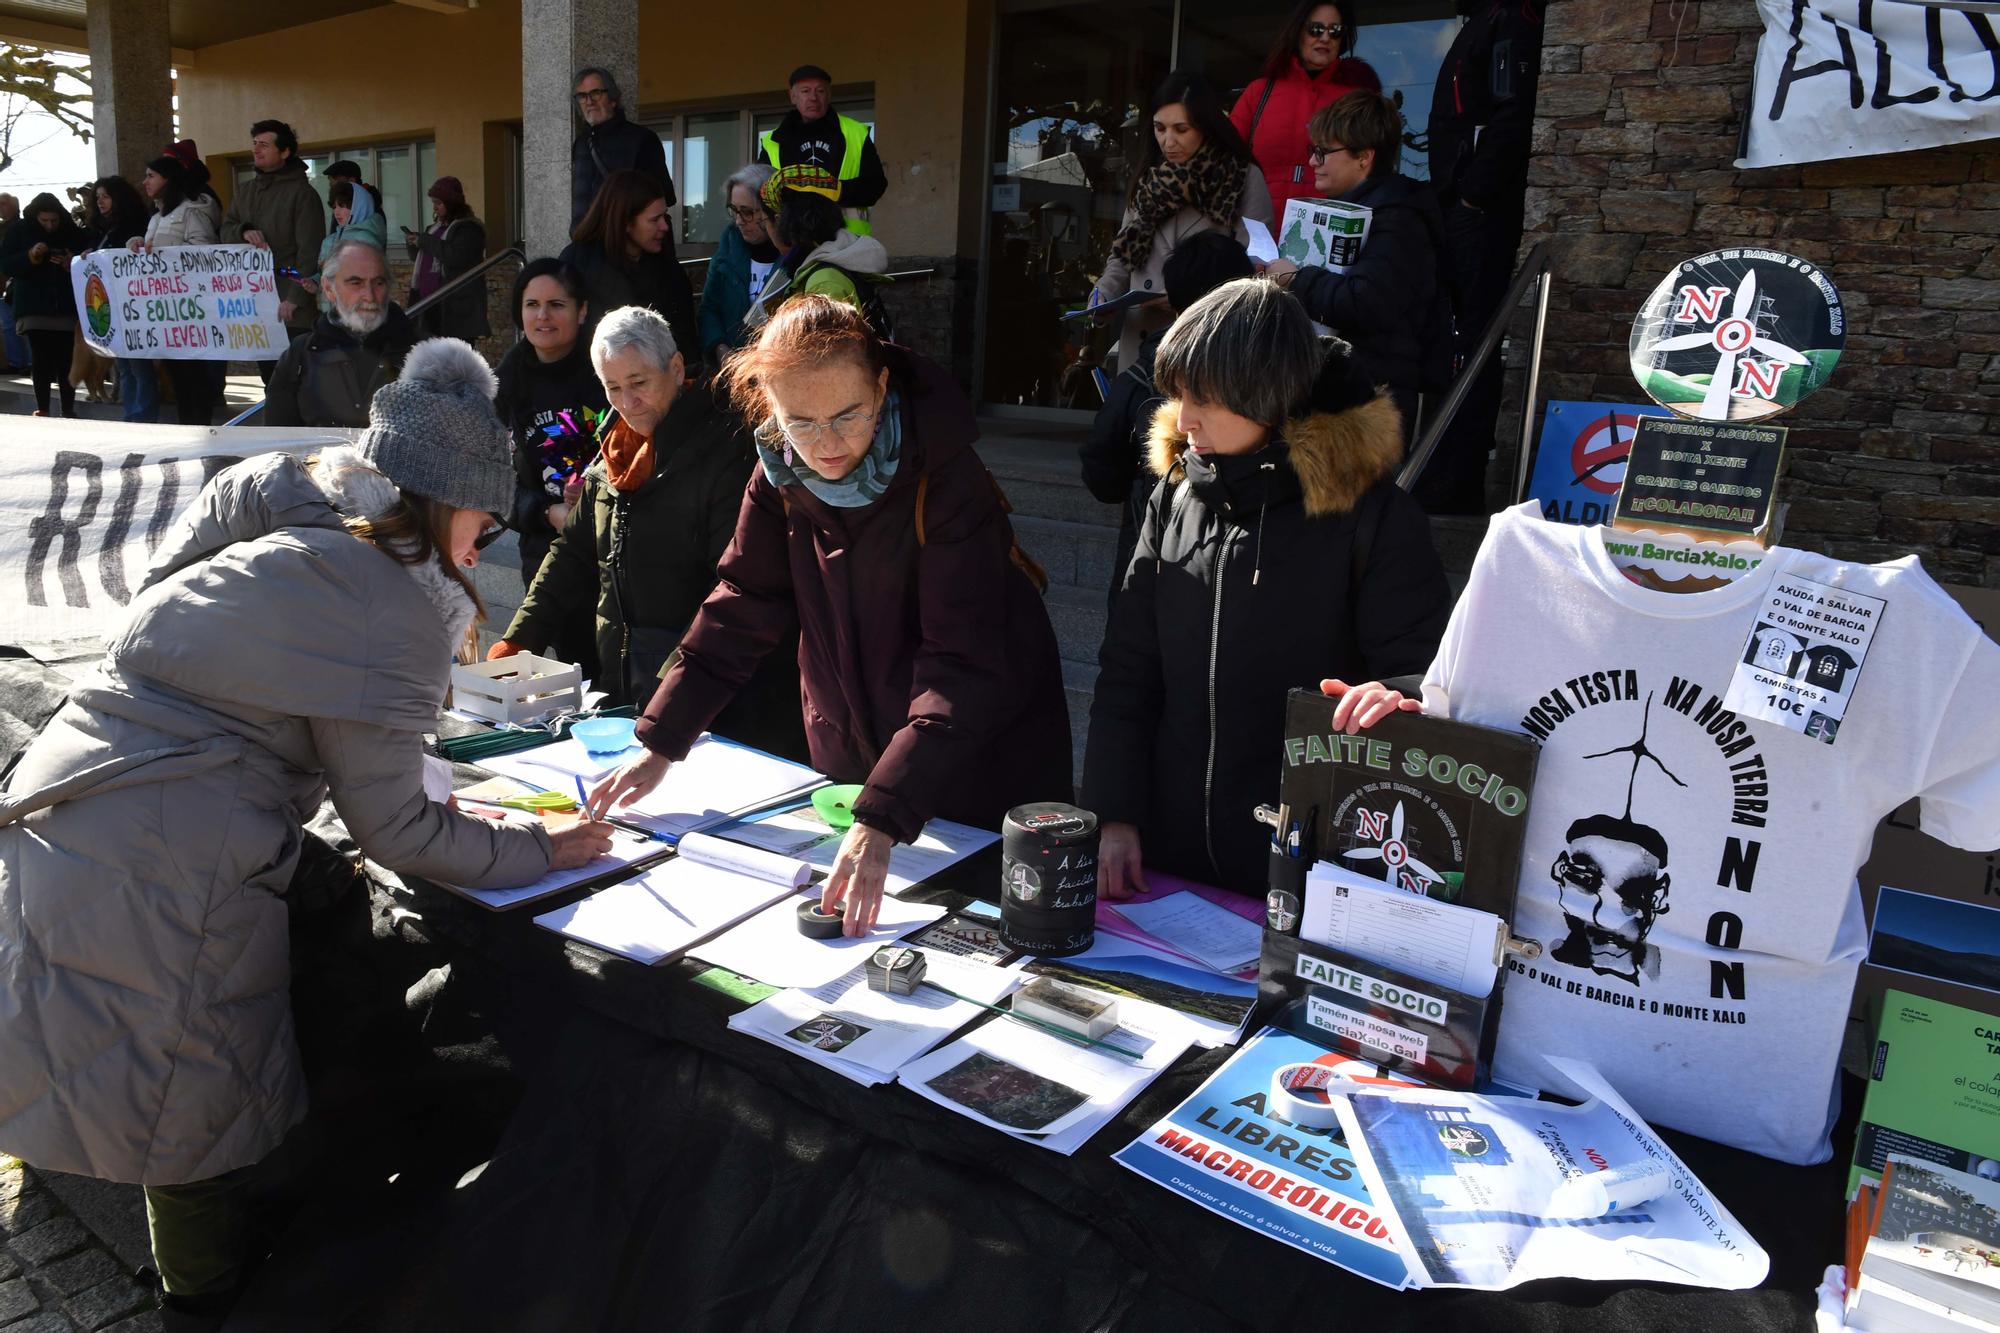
[1641,753]
[1731,337]
[1394,853]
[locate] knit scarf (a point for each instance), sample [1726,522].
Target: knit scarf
[628,457]
[1208,182]
[862,486]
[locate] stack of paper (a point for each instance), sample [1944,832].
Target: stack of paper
[717,779]
[659,915]
[1207,932]
[801,833]
[770,948]
[1038,1087]
[1438,941]
[867,1035]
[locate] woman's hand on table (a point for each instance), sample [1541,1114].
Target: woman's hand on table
[860,870]
[1362,706]
[578,844]
[1120,871]
[630,781]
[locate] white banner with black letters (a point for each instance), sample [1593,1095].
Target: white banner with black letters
[1846,78]
[84,504]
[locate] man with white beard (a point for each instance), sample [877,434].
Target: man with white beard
[328,375]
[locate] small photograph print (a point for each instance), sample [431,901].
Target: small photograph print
[968,937]
[827,1033]
[1068,999]
[1941,938]
[1006,1094]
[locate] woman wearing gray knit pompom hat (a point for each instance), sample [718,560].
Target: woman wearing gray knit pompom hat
[293,639]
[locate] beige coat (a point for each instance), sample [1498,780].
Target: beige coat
[149,835]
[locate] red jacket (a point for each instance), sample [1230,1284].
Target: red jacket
[1280,141]
[929,672]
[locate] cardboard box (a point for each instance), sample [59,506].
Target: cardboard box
[1323,233]
[1904,858]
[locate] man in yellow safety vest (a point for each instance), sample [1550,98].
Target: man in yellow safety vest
[813,132]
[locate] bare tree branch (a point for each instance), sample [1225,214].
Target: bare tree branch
[30,79]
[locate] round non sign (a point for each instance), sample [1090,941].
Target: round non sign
[1738,335]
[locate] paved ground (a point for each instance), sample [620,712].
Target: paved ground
[55,1275]
[239,393]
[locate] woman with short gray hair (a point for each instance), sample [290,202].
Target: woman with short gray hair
[659,505]
[1278,550]
[742,263]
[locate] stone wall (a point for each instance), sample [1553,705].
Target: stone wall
[1636,128]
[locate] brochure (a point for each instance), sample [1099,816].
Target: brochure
[1472,1180]
[1935,1243]
[801,833]
[1922,1099]
[1216,1007]
[1224,1151]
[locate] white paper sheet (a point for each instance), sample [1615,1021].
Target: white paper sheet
[1037,1087]
[769,947]
[1440,942]
[437,779]
[704,789]
[1210,934]
[665,911]
[627,849]
[866,1035]
[801,833]
[1263,246]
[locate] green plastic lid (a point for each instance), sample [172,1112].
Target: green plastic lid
[836,804]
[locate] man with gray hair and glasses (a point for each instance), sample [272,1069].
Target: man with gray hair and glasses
[330,373]
[609,142]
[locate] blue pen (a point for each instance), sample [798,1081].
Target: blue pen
[582,797]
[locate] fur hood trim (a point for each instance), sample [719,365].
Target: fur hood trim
[1337,455]
[356,490]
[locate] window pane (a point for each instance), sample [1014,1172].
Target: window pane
[316,166]
[710,152]
[427,168]
[401,199]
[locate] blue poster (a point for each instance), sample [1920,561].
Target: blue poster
[1221,1149]
[1580,460]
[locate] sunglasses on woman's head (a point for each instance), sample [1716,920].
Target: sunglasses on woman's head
[1337,31]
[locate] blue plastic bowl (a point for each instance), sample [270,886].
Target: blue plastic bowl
[605,735]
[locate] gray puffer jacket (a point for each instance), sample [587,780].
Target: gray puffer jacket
[149,835]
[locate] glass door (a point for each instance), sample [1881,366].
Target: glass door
[1072,81]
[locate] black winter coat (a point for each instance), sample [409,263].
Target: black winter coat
[821,143]
[552,413]
[462,314]
[646,582]
[1393,303]
[40,290]
[1483,109]
[1243,587]
[616,145]
[1113,456]
[327,377]
[656,281]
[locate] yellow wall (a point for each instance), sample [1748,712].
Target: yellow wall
[397,71]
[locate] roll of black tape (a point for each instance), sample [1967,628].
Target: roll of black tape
[1048,887]
[819,925]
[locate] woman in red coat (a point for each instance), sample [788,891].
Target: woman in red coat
[1309,67]
[927,666]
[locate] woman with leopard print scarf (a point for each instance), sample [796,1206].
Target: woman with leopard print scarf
[1194,174]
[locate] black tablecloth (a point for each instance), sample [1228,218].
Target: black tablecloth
[661,1171]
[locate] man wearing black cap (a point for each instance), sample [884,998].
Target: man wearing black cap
[814,132]
[609,142]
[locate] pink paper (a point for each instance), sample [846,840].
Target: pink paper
[1110,923]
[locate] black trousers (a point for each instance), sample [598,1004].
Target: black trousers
[194,391]
[52,349]
[1479,259]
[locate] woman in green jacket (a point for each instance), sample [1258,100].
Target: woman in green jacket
[821,257]
[658,509]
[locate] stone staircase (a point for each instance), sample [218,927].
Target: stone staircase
[1075,538]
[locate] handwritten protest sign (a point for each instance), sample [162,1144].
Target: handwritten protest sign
[181,303]
[1841,78]
[83,506]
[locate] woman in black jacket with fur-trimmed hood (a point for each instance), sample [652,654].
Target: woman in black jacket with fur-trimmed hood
[1277,551]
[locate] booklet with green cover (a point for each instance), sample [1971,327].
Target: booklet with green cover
[1933,1089]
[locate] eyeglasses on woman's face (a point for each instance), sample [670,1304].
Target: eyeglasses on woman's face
[1321,152]
[805,434]
[1325,31]
[745,214]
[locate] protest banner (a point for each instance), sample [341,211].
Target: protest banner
[180,303]
[83,505]
[1845,78]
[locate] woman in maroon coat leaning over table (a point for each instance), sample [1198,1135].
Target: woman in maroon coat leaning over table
[927,666]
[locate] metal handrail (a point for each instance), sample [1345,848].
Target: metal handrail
[1534,269]
[478,270]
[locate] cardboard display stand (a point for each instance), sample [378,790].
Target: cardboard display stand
[1433,808]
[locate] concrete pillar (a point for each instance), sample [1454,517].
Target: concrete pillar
[559,37]
[132,96]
